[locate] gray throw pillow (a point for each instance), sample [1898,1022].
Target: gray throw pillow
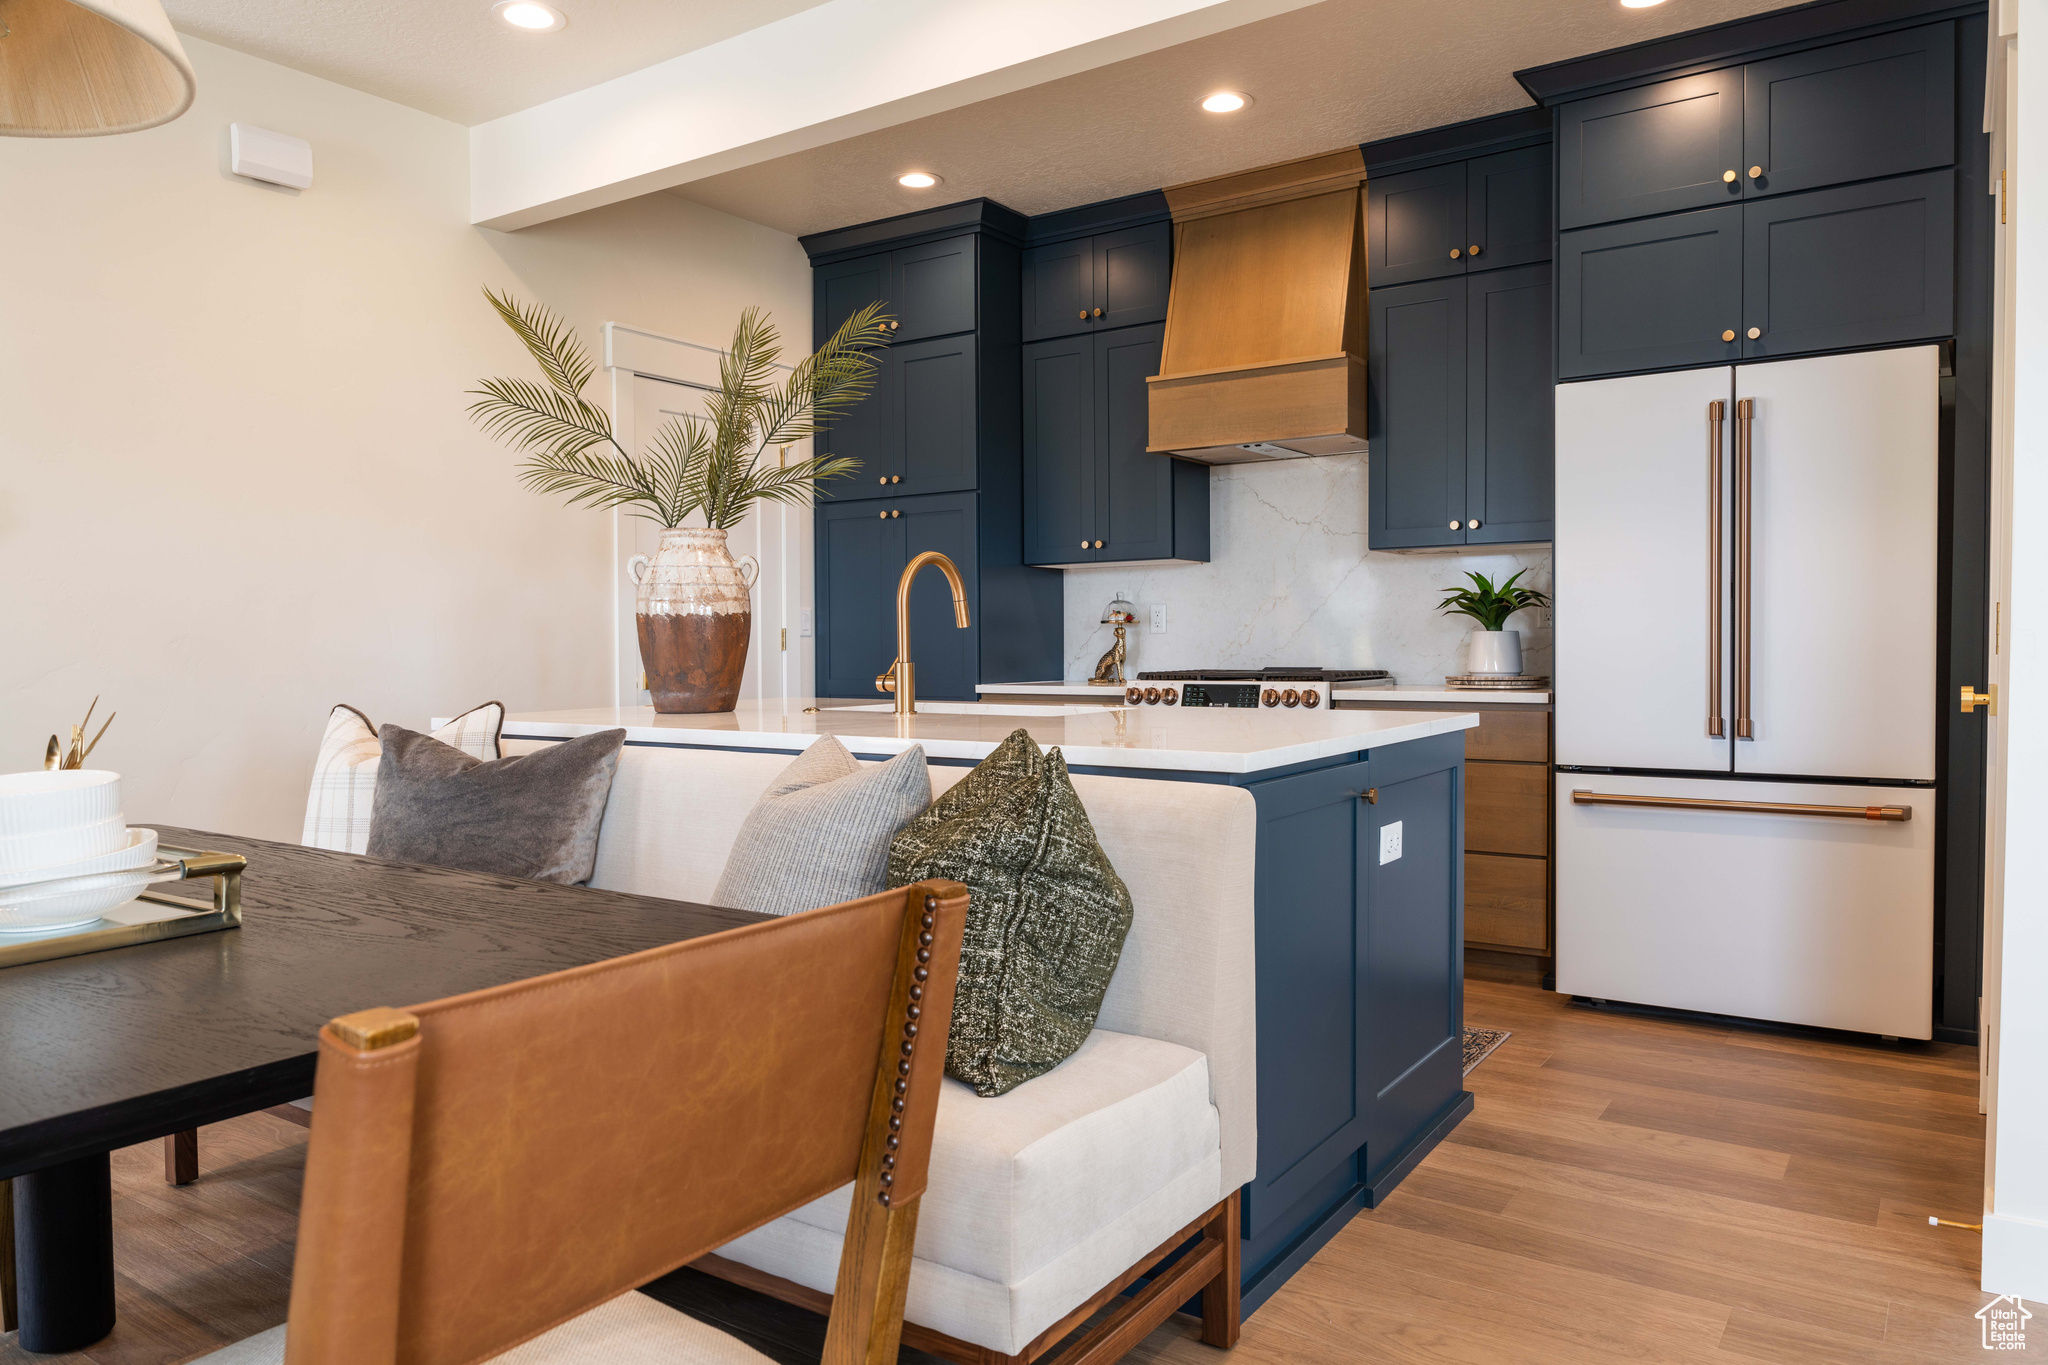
[533,815]
[820,835]
[1046,920]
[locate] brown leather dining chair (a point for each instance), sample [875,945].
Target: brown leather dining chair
[491,1176]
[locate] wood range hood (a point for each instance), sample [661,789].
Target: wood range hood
[1264,357]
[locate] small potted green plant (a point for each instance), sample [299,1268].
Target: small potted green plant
[1494,648]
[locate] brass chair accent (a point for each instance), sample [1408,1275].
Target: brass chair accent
[486,1169]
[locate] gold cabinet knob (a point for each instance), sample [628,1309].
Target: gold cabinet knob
[1728,177]
[1084,315]
[1454,253]
[895,326]
[1472,525]
[1454,526]
[1472,250]
[883,516]
[1098,544]
[1756,172]
[895,478]
[1098,312]
[894,512]
[1728,335]
[1973,699]
[883,479]
[1084,544]
[1755,332]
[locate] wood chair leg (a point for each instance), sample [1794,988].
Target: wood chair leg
[181,1157]
[10,1314]
[1222,1315]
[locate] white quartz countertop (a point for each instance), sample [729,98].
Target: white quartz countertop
[1202,740]
[1079,691]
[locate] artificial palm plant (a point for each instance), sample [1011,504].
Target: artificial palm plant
[715,465]
[1490,606]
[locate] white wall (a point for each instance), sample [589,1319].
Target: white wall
[237,482]
[2016,1219]
[1290,583]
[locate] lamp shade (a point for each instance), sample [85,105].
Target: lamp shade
[82,68]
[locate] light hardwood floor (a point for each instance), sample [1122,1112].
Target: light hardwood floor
[1629,1188]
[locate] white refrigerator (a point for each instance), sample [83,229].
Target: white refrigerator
[1745,672]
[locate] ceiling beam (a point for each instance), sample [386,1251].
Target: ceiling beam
[838,70]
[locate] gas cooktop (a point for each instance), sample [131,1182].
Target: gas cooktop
[1248,687]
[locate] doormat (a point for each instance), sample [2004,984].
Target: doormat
[1480,1043]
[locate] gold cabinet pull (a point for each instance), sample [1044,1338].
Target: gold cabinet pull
[1755,332]
[895,512]
[1084,315]
[1454,526]
[1756,172]
[1728,335]
[1472,250]
[1716,415]
[1728,177]
[882,515]
[1098,312]
[1472,525]
[1454,253]
[1973,700]
[883,479]
[1098,544]
[1887,814]
[1745,436]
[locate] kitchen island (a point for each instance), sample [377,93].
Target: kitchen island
[1356,908]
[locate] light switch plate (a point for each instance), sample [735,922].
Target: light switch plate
[1390,842]
[805,632]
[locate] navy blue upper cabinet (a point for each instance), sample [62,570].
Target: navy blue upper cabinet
[1858,265]
[1088,284]
[1510,430]
[1877,106]
[937,387]
[1507,208]
[1673,145]
[928,290]
[1415,413]
[1059,451]
[870,431]
[1092,494]
[1461,410]
[1415,225]
[1853,111]
[1661,293]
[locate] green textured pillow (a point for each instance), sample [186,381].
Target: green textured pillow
[1047,920]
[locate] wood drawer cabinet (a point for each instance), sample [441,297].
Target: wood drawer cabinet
[1510,737]
[1507,809]
[1506,900]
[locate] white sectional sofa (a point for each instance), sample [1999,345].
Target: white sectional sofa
[1045,1202]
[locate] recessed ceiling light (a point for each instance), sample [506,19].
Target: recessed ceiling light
[1226,102]
[529,15]
[917,180]
[1639,4]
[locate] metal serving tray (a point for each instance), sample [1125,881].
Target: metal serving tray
[150,916]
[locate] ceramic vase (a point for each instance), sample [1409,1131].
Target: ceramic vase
[694,611]
[1496,651]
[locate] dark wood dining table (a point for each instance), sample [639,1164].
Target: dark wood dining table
[107,1049]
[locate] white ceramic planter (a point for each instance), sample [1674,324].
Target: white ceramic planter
[1496,651]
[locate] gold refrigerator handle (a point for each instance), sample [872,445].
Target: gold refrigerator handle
[1717,412]
[1745,417]
[1889,814]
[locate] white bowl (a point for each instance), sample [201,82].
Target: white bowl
[37,803]
[139,852]
[63,904]
[54,848]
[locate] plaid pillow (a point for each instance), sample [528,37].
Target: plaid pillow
[345,773]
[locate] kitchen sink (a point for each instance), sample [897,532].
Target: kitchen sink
[981,708]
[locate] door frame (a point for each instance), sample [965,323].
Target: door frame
[782,615]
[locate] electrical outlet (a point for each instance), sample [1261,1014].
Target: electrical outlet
[805,630]
[1390,842]
[1159,620]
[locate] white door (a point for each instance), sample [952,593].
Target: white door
[1800,918]
[778,536]
[1843,504]
[1638,676]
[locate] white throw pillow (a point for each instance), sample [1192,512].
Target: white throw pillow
[345,775]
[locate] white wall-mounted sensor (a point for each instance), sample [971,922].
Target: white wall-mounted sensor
[263,155]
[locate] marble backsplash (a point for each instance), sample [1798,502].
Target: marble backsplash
[1292,583]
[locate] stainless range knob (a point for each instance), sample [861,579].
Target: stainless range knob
[1311,699]
[1290,698]
[1132,696]
[1270,697]
[1169,695]
[1152,696]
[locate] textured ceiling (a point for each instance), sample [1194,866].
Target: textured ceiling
[1342,71]
[450,57]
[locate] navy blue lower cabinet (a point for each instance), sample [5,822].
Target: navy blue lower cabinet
[862,548]
[1859,265]
[1360,979]
[1657,294]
